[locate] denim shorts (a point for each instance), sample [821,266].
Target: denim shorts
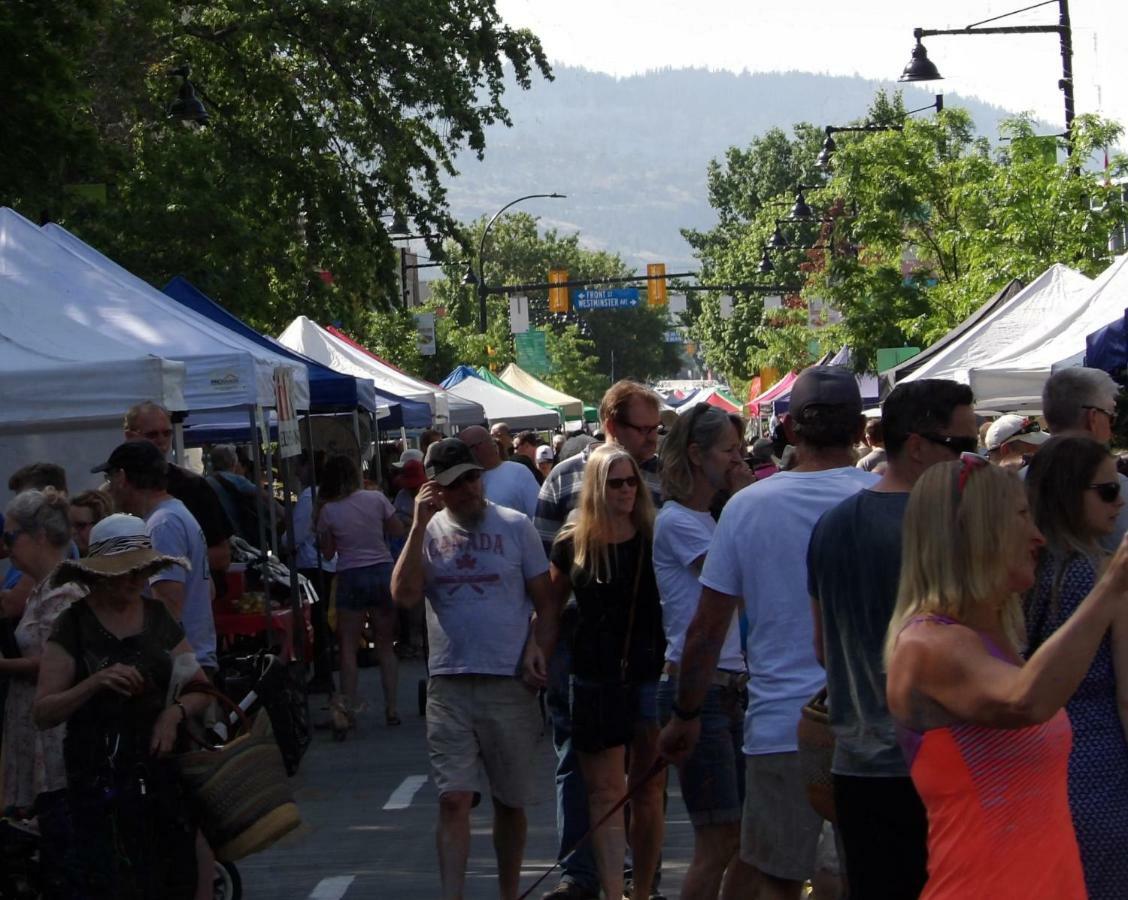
[712,779]
[607,715]
[369,587]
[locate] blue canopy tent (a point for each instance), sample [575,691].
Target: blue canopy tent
[329,391]
[1107,348]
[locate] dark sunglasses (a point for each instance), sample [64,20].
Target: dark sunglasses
[10,536]
[1107,491]
[464,479]
[618,483]
[644,430]
[1111,415]
[955,443]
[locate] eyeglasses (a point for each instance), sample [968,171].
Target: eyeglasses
[1107,491]
[1101,409]
[10,536]
[464,479]
[969,462]
[618,483]
[953,442]
[644,430]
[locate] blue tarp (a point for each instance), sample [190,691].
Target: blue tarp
[329,391]
[1107,348]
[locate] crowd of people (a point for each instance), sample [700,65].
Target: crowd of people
[955,589]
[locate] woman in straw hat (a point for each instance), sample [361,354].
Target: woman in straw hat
[107,671]
[38,536]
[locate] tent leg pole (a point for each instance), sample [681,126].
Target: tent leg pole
[263,556]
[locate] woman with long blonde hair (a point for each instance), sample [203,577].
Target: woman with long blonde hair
[605,557]
[985,735]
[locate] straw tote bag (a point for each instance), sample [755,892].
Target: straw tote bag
[240,788]
[816,750]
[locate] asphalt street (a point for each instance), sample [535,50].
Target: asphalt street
[369,810]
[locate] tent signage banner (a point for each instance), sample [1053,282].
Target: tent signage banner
[289,435]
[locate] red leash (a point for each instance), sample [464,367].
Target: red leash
[658,766]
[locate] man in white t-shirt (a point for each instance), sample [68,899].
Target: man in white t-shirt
[482,570]
[507,483]
[759,558]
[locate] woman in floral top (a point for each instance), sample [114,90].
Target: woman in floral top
[38,535]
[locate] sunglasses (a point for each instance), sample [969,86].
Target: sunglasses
[11,536]
[969,462]
[1111,415]
[464,479]
[153,435]
[644,430]
[1107,491]
[618,483]
[955,443]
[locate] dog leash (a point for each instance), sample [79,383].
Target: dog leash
[658,766]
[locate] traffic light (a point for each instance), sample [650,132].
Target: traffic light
[558,301]
[656,284]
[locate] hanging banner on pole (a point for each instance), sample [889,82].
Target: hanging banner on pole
[518,314]
[532,352]
[289,434]
[726,306]
[425,328]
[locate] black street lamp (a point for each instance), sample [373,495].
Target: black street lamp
[187,107]
[479,279]
[823,160]
[921,68]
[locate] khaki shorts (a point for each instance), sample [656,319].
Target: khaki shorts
[779,831]
[489,720]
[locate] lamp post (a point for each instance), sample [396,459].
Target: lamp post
[921,68]
[829,145]
[479,279]
[187,107]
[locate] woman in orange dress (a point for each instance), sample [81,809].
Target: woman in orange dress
[985,734]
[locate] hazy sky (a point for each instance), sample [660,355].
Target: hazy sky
[871,38]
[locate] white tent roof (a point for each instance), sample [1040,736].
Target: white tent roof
[223,368]
[504,406]
[520,380]
[1014,377]
[1053,294]
[307,337]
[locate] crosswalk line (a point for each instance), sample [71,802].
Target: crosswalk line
[403,795]
[332,888]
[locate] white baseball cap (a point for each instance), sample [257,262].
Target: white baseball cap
[1014,428]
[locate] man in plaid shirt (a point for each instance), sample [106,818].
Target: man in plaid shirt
[630,415]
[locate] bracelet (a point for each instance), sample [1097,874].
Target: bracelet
[686,715]
[183,711]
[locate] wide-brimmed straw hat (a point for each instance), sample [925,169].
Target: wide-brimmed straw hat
[119,545]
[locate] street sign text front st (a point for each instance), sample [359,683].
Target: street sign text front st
[617,298]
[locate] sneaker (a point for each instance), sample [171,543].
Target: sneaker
[569,890]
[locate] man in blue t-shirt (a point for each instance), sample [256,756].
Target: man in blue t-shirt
[853,569]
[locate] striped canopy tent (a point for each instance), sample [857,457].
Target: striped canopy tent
[712,397]
[781,387]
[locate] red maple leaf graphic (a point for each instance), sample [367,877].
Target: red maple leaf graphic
[466,561]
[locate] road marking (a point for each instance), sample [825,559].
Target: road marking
[332,888]
[402,796]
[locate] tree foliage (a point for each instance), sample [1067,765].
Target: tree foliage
[332,122]
[583,347]
[919,226]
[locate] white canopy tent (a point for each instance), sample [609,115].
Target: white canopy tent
[1055,293]
[224,369]
[527,384]
[65,386]
[500,405]
[1013,378]
[307,337]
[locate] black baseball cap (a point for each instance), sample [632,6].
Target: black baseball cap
[447,460]
[134,456]
[825,386]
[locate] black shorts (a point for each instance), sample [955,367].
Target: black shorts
[607,714]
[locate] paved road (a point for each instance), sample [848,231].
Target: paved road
[368,833]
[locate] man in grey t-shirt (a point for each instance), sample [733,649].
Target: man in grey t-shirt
[482,570]
[853,569]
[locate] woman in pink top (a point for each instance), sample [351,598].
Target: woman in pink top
[355,525]
[985,734]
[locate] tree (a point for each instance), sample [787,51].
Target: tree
[332,122]
[629,341]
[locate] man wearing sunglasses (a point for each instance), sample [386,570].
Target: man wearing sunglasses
[853,571]
[1081,400]
[506,483]
[629,415]
[1012,439]
[482,570]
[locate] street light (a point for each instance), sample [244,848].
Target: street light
[823,160]
[921,68]
[479,279]
[187,107]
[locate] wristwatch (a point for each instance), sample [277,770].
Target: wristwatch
[686,715]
